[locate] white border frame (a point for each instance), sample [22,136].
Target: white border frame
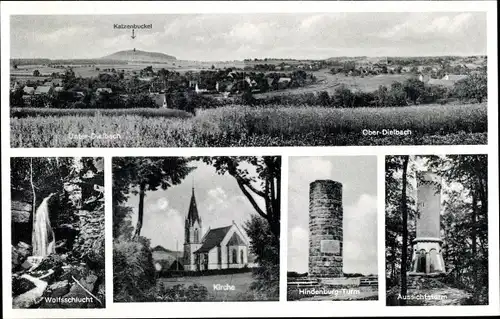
[257,309]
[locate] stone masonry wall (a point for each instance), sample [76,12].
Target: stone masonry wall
[325,223]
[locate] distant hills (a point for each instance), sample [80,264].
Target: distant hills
[138,55]
[120,57]
[165,250]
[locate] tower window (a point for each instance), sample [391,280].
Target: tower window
[196,238]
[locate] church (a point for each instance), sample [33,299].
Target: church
[219,248]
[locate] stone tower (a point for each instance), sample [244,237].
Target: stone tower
[325,229]
[427,259]
[192,235]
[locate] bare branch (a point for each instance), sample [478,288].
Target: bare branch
[252,200]
[250,186]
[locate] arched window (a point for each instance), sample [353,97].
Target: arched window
[421,265]
[235,256]
[196,239]
[434,261]
[242,257]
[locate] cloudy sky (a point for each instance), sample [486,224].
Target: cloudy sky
[218,198]
[358,175]
[215,37]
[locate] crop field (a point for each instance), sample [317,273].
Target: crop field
[41,112]
[251,126]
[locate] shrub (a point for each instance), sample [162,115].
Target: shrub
[265,246]
[474,87]
[133,270]
[78,105]
[180,293]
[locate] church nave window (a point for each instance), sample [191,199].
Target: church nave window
[235,256]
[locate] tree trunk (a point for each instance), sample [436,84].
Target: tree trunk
[393,263]
[474,243]
[140,217]
[404,210]
[33,209]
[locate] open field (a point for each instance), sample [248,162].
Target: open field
[240,281]
[270,126]
[86,71]
[329,82]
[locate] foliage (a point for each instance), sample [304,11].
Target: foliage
[247,98]
[133,270]
[16,98]
[49,175]
[267,184]
[179,293]
[122,224]
[265,246]
[466,215]
[474,87]
[414,89]
[394,217]
[141,174]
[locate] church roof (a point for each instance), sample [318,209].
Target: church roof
[213,238]
[193,211]
[235,240]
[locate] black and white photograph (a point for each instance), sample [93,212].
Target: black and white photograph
[248,79]
[189,229]
[57,223]
[436,230]
[332,228]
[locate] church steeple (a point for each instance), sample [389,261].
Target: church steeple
[193,216]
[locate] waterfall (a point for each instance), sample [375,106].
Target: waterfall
[43,240]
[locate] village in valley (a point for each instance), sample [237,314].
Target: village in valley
[172,84]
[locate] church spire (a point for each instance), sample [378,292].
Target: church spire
[193,210]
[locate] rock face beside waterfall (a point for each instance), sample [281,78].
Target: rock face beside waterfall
[89,244]
[21,211]
[20,253]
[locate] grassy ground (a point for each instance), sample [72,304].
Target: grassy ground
[240,281]
[247,126]
[329,82]
[335,293]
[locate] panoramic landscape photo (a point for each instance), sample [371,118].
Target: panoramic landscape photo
[219,80]
[196,229]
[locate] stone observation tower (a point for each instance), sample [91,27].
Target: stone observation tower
[325,229]
[427,259]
